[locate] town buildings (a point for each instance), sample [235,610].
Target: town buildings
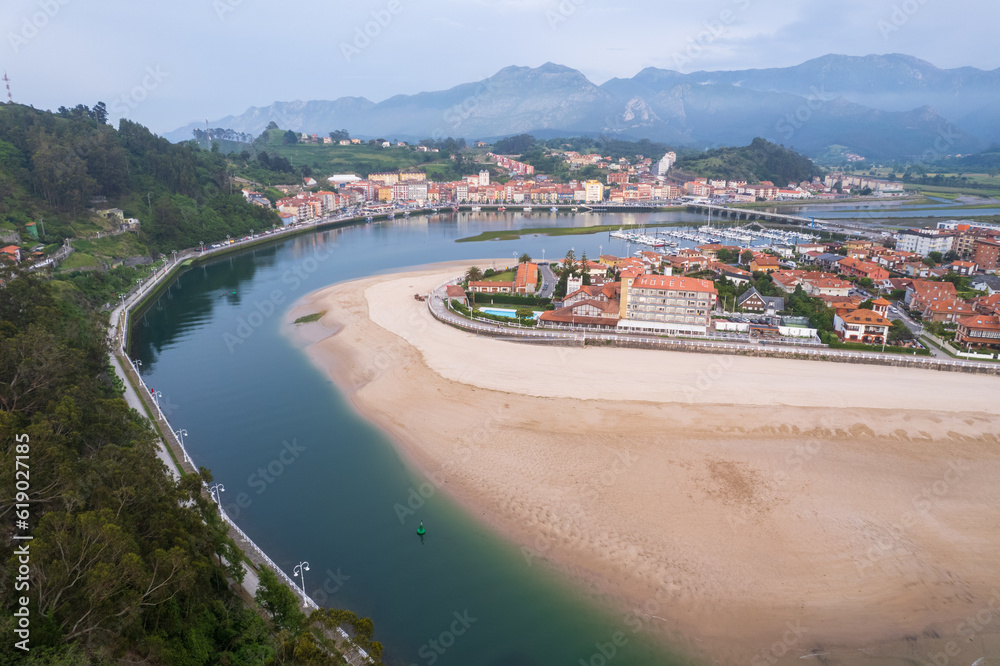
[978,332]
[924,241]
[863,326]
[526,278]
[986,254]
[752,300]
[668,303]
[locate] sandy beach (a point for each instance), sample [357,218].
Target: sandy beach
[745,510]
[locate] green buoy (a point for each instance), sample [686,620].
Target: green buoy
[421,530]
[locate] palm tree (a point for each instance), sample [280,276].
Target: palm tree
[473,274]
[524,259]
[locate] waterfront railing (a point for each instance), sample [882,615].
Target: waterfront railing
[122,326]
[437,305]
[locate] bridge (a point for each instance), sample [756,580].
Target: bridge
[750,214]
[513,207]
[627,207]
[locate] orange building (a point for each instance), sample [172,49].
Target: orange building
[526,280]
[764,263]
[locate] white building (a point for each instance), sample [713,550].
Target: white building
[667,161]
[594,191]
[484,178]
[416,191]
[924,241]
[952,225]
[342,178]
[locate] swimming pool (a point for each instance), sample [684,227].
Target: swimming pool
[503,312]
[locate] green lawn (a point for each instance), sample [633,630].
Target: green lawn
[119,245]
[309,318]
[357,159]
[514,234]
[951,196]
[506,276]
[78,260]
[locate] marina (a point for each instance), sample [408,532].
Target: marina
[642,238]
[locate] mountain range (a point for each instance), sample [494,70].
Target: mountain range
[882,106]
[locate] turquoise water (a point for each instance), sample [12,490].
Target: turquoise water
[503,312]
[309,480]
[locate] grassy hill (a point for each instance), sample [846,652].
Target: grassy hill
[759,161]
[357,159]
[127,565]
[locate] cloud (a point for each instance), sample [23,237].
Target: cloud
[264,50]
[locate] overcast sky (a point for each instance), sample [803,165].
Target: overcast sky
[166,64]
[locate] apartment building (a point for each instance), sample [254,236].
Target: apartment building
[667,303]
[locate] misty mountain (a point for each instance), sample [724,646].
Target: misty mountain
[884,107]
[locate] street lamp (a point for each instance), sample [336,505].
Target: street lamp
[136,365]
[300,570]
[156,397]
[175,256]
[216,491]
[180,436]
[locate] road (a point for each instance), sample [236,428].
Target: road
[897,311]
[549,280]
[437,306]
[133,400]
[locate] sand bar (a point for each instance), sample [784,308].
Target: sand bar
[748,510]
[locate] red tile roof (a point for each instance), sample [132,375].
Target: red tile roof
[980,323]
[866,317]
[527,276]
[674,282]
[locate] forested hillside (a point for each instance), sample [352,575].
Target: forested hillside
[759,161]
[51,165]
[126,565]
